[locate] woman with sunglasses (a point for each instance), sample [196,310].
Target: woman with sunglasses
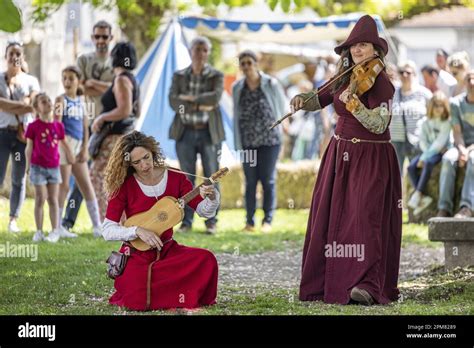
[408,108]
[258,100]
[17,89]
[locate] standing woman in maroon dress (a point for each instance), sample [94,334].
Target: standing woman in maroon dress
[136,178]
[352,245]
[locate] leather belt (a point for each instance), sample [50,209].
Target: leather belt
[197,126]
[10,128]
[148,278]
[357,140]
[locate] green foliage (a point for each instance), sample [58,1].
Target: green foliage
[10,17]
[272,4]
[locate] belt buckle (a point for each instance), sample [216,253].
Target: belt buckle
[355,140]
[337,137]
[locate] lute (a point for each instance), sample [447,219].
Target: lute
[167,212]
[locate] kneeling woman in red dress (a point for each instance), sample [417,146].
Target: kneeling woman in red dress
[352,245]
[183,277]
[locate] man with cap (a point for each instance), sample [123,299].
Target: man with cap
[352,246]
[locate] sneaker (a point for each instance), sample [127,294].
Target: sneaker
[443,213]
[361,296]
[266,227]
[38,237]
[211,229]
[463,213]
[248,228]
[184,228]
[63,232]
[13,227]
[414,200]
[97,232]
[424,203]
[53,236]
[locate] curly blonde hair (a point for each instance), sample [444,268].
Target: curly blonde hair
[119,165]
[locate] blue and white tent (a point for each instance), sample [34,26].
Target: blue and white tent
[287,31]
[170,53]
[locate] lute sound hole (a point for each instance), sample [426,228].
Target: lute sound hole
[162,216]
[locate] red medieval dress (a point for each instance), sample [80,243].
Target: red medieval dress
[184,277]
[356,201]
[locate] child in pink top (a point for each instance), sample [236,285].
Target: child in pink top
[44,136]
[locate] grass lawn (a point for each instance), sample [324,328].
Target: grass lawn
[69,277]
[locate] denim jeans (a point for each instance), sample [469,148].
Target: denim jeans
[195,142]
[447,181]
[264,170]
[420,180]
[73,204]
[9,145]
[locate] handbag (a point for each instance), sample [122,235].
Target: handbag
[20,132]
[117,261]
[117,127]
[96,140]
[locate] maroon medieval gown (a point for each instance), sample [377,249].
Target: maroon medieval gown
[356,201]
[183,277]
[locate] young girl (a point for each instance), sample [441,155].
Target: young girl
[44,136]
[434,140]
[70,111]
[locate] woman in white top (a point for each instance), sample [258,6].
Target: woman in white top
[17,90]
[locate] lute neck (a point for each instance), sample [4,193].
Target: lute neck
[194,192]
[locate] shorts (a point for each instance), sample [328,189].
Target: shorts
[74,144]
[43,176]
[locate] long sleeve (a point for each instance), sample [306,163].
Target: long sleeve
[112,230]
[313,103]
[375,117]
[111,227]
[375,120]
[320,100]
[207,208]
[424,136]
[213,97]
[181,107]
[439,143]
[281,101]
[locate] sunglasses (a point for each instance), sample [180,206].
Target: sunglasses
[245,63]
[438,105]
[105,37]
[403,72]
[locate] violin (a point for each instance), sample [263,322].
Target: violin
[362,79]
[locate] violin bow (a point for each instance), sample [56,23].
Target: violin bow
[331,81]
